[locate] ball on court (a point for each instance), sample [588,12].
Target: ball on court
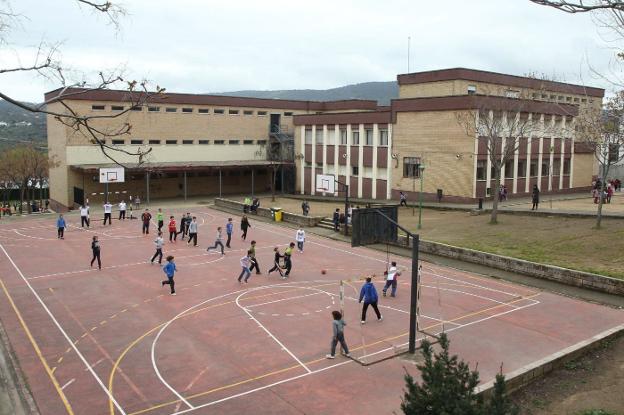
[323,271]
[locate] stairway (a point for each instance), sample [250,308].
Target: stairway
[326,223]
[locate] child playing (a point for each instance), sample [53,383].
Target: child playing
[146,217]
[60,227]
[338,327]
[245,263]
[173,234]
[160,219]
[218,242]
[159,245]
[288,259]
[368,293]
[95,248]
[300,238]
[277,267]
[170,269]
[391,280]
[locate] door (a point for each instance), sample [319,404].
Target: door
[78,196]
[275,123]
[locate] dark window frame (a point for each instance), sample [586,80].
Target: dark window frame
[411,167]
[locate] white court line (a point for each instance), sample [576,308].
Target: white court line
[283,299]
[95,364]
[69,340]
[268,332]
[472,284]
[68,383]
[467,293]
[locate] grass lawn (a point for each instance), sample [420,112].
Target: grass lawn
[566,242]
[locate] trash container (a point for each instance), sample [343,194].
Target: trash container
[276,214]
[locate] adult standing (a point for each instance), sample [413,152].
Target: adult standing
[122,210]
[244,226]
[229,228]
[192,230]
[535,193]
[300,238]
[108,211]
[84,216]
[254,260]
[60,227]
[305,208]
[95,249]
[146,218]
[336,219]
[288,259]
[368,294]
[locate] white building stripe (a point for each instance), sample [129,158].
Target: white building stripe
[313,170]
[302,160]
[389,168]
[360,161]
[375,143]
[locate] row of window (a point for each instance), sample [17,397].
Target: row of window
[187,110]
[344,140]
[522,164]
[510,93]
[140,142]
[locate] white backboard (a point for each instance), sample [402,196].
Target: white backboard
[325,183]
[112,175]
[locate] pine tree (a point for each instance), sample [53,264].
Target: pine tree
[447,386]
[499,403]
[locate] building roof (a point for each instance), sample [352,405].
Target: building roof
[177,166]
[497,78]
[112,95]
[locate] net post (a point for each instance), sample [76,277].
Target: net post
[414,296]
[341,297]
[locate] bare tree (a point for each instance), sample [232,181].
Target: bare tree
[277,153]
[45,63]
[603,130]
[581,6]
[15,168]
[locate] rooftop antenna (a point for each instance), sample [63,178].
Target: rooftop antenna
[409,39]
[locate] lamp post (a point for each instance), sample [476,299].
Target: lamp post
[421,170]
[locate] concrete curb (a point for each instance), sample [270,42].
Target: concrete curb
[529,373]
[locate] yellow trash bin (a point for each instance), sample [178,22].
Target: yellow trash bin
[278,215]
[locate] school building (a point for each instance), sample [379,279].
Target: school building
[216,145]
[419,140]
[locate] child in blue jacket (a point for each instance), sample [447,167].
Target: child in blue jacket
[368,293]
[170,269]
[60,227]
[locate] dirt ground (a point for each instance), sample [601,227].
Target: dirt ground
[592,382]
[565,242]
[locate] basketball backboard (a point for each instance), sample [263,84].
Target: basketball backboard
[325,183]
[112,175]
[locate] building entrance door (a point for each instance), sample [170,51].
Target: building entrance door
[275,123]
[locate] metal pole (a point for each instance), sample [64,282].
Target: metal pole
[413,192]
[414,295]
[219,181]
[185,185]
[346,232]
[282,174]
[252,183]
[420,198]
[147,193]
[106,192]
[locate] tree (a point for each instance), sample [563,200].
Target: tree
[581,6]
[45,63]
[278,150]
[447,385]
[603,130]
[15,168]
[499,403]
[501,123]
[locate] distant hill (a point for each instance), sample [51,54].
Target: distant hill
[382,92]
[20,126]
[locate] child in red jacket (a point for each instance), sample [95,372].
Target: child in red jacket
[173,234]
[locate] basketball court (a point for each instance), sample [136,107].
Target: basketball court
[115,342]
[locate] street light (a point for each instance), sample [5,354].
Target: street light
[421,170]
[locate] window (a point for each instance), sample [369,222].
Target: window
[556,167]
[187,110]
[219,141]
[219,111]
[522,168]
[614,151]
[355,170]
[331,137]
[288,114]
[248,112]
[153,109]
[118,142]
[545,168]
[560,97]
[533,168]
[552,97]
[154,141]
[320,164]
[308,136]
[568,99]
[319,135]
[203,142]
[481,165]
[510,93]
[509,171]
[576,100]
[203,111]
[355,138]
[383,137]
[136,142]
[98,107]
[566,167]
[171,109]
[262,113]
[247,142]
[262,142]
[233,112]
[411,167]
[472,89]
[583,100]
[171,142]
[234,142]
[187,142]
[117,108]
[369,137]
[534,95]
[544,96]
[137,108]
[343,136]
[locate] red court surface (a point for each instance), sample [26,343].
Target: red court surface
[115,342]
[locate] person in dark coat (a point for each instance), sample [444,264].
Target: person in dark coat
[244,226]
[368,294]
[336,219]
[535,197]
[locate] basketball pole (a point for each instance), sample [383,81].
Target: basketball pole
[106,192]
[414,295]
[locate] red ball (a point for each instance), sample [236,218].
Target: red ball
[323,272]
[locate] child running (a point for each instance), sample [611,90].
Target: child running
[254,260]
[159,245]
[300,238]
[95,248]
[245,262]
[276,261]
[170,270]
[368,293]
[60,227]
[218,242]
[192,231]
[173,234]
[338,326]
[288,260]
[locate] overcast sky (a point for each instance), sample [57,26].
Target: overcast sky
[200,46]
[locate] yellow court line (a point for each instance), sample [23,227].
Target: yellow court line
[147,333]
[49,371]
[276,372]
